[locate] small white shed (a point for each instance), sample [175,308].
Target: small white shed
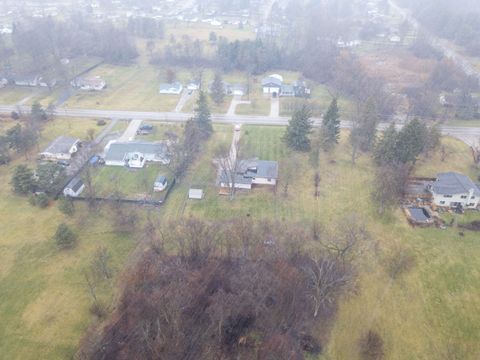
[196,194]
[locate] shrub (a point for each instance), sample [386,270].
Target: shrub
[14,115]
[66,207]
[42,201]
[401,262]
[98,309]
[371,346]
[65,237]
[101,122]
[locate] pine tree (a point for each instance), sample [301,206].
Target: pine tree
[368,126]
[330,132]
[386,149]
[23,181]
[298,130]
[218,90]
[411,141]
[202,116]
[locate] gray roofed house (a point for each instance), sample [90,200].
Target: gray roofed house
[251,172]
[174,88]
[62,148]
[271,81]
[287,90]
[452,189]
[135,153]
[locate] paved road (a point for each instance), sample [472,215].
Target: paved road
[463,133]
[440,44]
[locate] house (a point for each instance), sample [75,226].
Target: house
[272,84]
[62,148]
[238,89]
[89,84]
[135,154]
[3,82]
[27,80]
[47,83]
[227,88]
[452,190]
[193,85]
[287,90]
[251,172]
[195,194]
[174,88]
[301,89]
[160,183]
[74,188]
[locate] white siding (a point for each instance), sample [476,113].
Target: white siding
[442,201]
[264,181]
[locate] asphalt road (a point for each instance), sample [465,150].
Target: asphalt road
[470,135]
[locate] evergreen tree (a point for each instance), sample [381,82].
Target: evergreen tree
[203,117]
[65,205]
[23,181]
[411,141]
[65,237]
[51,178]
[386,149]
[330,132]
[21,139]
[4,150]
[37,113]
[218,89]
[368,123]
[299,129]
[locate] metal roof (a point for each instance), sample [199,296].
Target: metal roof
[452,183]
[270,80]
[75,184]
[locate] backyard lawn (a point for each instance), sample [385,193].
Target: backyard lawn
[133,184]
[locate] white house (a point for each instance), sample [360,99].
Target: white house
[89,84]
[453,190]
[171,88]
[193,85]
[251,172]
[74,188]
[135,154]
[238,89]
[62,148]
[272,84]
[287,90]
[31,81]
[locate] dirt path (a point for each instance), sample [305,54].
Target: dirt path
[274,107]
[236,100]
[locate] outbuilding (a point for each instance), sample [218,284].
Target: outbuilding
[74,188]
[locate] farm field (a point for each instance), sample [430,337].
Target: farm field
[428,312]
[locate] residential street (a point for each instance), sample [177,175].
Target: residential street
[467,134]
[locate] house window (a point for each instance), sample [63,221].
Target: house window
[269,180]
[464,196]
[473,198]
[471,204]
[447,196]
[442,202]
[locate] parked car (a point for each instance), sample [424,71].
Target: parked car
[64,163]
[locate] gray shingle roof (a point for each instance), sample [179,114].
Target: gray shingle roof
[452,183]
[259,168]
[61,145]
[271,81]
[75,184]
[118,150]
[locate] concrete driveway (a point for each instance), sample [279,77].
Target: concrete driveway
[236,100]
[274,107]
[131,131]
[183,100]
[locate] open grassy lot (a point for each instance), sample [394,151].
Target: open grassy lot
[135,184]
[128,88]
[11,95]
[428,312]
[44,307]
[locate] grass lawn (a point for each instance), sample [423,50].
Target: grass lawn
[44,307]
[128,88]
[135,184]
[429,312]
[11,95]
[160,131]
